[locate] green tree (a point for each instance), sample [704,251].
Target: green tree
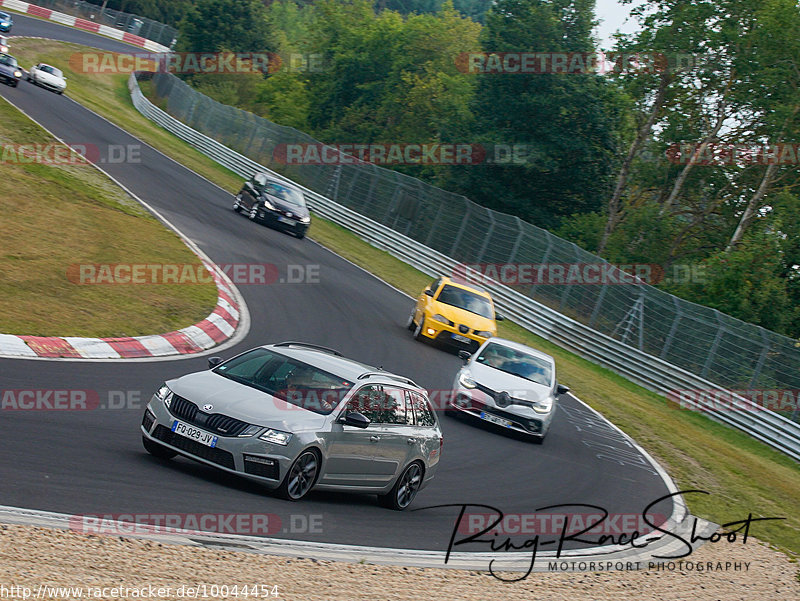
[566,122]
[232,25]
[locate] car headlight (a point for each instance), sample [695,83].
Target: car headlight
[465,379]
[268,204]
[17,73]
[250,431]
[483,333]
[543,406]
[164,394]
[276,436]
[443,319]
[305,219]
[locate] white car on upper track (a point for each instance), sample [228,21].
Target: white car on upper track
[3,44]
[48,77]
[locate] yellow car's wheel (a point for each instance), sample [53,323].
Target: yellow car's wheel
[418,335]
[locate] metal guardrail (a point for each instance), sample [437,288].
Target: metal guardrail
[644,369]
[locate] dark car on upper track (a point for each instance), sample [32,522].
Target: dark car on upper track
[278,204]
[10,72]
[6,22]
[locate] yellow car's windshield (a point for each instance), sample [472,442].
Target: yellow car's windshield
[464,299]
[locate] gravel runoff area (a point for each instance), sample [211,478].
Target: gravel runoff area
[32,558]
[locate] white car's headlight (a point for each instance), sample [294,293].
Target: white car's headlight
[276,436]
[465,379]
[164,394]
[543,406]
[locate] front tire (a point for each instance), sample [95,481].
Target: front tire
[411,326]
[301,477]
[418,335]
[156,450]
[405,489]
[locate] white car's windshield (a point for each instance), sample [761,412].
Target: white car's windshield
[289,379]
[51,70]
[517,363]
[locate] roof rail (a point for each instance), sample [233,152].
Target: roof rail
[386,374]
[315,347]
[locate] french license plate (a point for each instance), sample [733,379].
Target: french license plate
[286,220]
[461,338]
[495,420]
[194,433]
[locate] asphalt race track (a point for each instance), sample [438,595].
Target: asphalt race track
[92,462]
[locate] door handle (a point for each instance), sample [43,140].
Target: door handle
[374,438]
[411,440]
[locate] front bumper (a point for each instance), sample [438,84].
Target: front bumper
[49,86]
[9,79]
[278,220]
[448,335]
[244,456]
[473,402]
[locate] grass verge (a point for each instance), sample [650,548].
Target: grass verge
[742,475]
[58,216]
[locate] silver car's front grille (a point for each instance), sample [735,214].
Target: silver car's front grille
[219,456]
[213,422]
[510,400]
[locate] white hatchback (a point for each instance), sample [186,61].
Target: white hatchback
[509,385]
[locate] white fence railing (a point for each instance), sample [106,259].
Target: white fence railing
[642,368]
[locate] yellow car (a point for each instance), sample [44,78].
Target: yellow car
[454,314]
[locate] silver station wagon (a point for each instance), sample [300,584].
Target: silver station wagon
[298,417]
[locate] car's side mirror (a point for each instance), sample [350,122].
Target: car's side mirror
[213,362]
[429,292]
[464,355]
[561,389]
[499,317]
[355,419]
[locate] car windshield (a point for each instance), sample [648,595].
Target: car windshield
[5,59]
[51,70]
[464,299]
[285,193]
[4,16]
[288,379]
[517,363]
